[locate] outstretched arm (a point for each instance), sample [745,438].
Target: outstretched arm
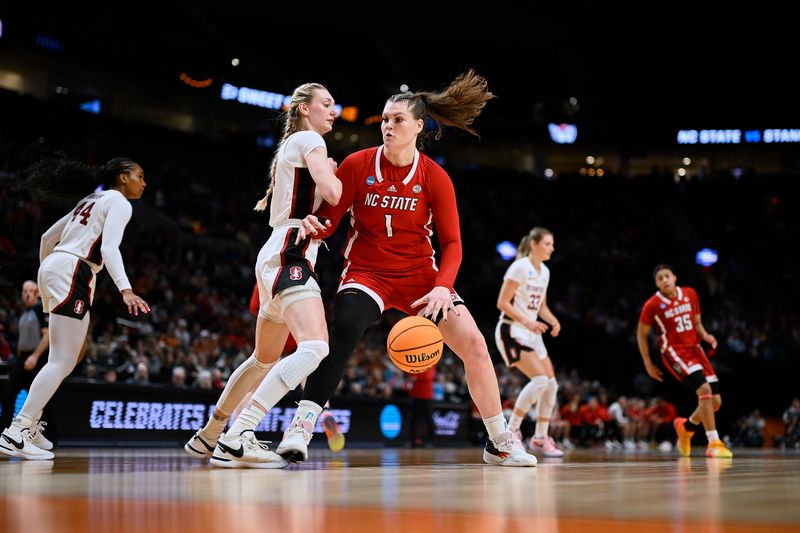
[445,218]
[448,229]
[113,229]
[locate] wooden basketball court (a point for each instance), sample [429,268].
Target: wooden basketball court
[368,490]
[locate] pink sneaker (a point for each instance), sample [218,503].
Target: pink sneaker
[546,446]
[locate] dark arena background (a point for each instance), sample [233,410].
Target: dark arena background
[661,134]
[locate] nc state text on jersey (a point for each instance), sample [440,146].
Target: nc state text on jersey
[675,311]
[400,203]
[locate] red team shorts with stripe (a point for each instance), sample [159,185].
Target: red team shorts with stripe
[397,290]
[683,361]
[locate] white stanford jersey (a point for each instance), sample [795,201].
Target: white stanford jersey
[531,289]
[295,194]
[93,232]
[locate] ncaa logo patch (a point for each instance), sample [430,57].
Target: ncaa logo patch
[78,308]
[370,180]
[417,188]
[295,273]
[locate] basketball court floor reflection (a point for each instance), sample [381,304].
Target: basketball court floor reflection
[416,490]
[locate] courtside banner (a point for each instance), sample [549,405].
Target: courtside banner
[90,414]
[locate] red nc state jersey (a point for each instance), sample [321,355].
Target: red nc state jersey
[674,317]
[394,211]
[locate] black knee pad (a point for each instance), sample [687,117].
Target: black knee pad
[354,311]
[695,380]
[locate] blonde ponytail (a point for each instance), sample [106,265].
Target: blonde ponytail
[536,235]
[301,95]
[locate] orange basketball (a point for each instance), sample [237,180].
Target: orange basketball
[415,344]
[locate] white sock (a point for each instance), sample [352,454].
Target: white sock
[712,436]
[20,422]
[495,426]
[250,418]
[308,411]
[214,427]
[515,421]
[542,428]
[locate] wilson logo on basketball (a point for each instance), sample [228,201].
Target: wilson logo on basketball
[78,309]
[421,357]
[414,344]
[295,273]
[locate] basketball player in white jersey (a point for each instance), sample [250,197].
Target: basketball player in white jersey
[301,177]
[522,301]
[72,252]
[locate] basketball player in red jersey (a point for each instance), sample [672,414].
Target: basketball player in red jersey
[676,311]
[396,196]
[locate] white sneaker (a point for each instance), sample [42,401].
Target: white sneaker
[294,446]
[19,443]
[245,451]
[199,446]
[38,438]
[507,451]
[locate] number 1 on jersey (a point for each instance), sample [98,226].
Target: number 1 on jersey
[389,230]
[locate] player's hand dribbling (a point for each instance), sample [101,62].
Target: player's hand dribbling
[654,372]
[438,300]
[311,225]
[134,303]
